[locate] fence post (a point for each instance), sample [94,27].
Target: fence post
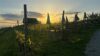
[25,29]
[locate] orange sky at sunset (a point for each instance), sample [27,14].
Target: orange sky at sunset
[8,9]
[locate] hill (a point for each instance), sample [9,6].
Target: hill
[9,45]
[44,42]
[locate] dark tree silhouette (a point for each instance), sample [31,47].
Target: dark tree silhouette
[63,22]
[67,20]
[48,19]
[92,16]
[76,17]
[92,13]
[85,16]
[67,23]
[63,18]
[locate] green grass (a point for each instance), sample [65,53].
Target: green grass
[46,43]
[75,47]
[8,44]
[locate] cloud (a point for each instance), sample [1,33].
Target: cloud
[9,16]
[8,23]
[34,14]
[9,19]
[70,12]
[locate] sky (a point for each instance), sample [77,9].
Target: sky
[12,10]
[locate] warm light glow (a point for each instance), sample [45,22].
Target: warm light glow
[53,18]
[56,17]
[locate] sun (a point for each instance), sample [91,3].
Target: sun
[53,18]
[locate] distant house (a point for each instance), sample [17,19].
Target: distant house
[32,21]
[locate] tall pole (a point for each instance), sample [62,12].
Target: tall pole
[25,28]
[25,21]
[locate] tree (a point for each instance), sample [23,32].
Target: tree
[85,20]
[76,17]
[85,16]
[67,23]
[63,18]
[67,20]
[92,16]
[48,19]
[63,26]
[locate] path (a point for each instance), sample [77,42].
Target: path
[93,47]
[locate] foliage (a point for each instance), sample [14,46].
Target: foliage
[45,41]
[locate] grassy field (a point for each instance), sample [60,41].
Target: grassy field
[44,42]
[8,43]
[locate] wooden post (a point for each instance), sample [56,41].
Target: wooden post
[25,29]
